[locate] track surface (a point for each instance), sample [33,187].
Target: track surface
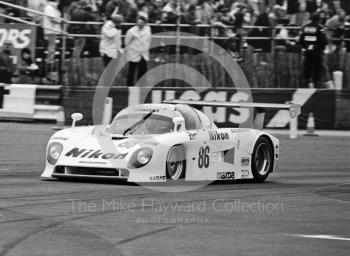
[309,196]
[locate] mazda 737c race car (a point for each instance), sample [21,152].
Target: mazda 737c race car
[166,142]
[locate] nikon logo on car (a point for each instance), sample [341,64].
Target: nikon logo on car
[215,135]
[91,153]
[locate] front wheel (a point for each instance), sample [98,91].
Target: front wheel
[262,159]
[176,163]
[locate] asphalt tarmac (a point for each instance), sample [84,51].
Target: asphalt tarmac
[304,209]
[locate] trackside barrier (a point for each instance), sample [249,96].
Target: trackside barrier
[31,102]
[293,127]
[338,80]
[331,108]
[310,131]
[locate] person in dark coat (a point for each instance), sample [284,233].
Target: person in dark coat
[82,13]
[27,68]
[7,68]
[313,40]
[261,44]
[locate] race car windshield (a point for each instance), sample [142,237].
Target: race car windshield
[137,124]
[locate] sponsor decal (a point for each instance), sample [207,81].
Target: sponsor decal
[311,30]
[59,138]
[215,135]
[154,178]
[245,161]
[277,151]
[234,131]
[128,144]
[91,162]
[226,176]
[192,135]
[245,173]
[94,154]
[150,144]
[146,110]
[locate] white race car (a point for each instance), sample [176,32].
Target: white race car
[166,142]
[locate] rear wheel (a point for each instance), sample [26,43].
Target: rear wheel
[176,163]
[262,159]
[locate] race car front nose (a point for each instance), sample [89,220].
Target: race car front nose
[90,172]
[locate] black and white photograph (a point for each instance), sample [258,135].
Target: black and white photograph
[174,127]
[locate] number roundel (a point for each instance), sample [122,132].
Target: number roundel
[203,157]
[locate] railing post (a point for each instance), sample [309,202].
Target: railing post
[63,57]
[273,75]
[178,36]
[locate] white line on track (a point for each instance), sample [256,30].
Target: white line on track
[333,186]
[319,132]
[327,237]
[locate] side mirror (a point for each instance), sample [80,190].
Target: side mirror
[178,122]
[76,117]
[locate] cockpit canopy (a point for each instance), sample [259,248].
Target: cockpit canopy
[157,119]
[136,124]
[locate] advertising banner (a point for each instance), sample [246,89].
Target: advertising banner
[20,36]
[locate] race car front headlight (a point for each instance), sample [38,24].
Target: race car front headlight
[54,151]
[141,157]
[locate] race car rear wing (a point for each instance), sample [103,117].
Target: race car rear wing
[294,109]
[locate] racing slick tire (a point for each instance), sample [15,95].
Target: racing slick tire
[176,163]
[262,159]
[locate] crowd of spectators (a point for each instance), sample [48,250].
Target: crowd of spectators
[226,12]
[226,18]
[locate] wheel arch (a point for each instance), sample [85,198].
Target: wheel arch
[248,141]
[271,146]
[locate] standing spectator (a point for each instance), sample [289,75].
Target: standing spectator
[138,42]
[262,20]
[27,68]
[169,14]
[336,29]
[63,7]
[121,7]
[313,41]
[293,7]
[7,68]
[73,5]
[82,13]
[155,11]
[323,17]
[52,28]
[336,24]
[111,7]
[110,45]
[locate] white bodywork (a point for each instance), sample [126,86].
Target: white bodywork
[102,154]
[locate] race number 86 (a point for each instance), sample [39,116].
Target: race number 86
[203,158]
